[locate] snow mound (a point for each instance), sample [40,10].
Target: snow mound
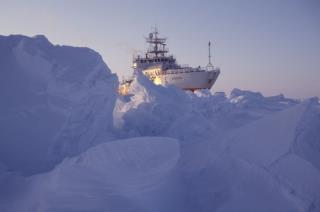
[268,138]
[149,174]
[187,116]
[256,101]
[307,141]
[247,133]
[125,175]
[286,145]
[50,97]
[148,103]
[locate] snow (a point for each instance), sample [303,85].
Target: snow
[271,144]
[68,142]
[300,178]
[268,139]
[117,176]
[46,92]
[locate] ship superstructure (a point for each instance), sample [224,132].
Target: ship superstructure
[162,68]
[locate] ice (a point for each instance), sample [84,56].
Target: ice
[174,113]
[268,139]
[68,142]
[307,143]
[301,179]
[115,176]
[281,145]
[49,97]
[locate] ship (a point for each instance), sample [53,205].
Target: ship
[162,68]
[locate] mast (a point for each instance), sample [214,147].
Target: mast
[209,56]
[157,44]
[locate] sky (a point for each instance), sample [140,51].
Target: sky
[268,46]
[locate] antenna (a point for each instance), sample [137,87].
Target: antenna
[209,49]
[156,29]
[209,45]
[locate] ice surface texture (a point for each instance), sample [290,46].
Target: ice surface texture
[69,143]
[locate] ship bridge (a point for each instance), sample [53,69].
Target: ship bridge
[156,54]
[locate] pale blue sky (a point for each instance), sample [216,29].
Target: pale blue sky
[272,46]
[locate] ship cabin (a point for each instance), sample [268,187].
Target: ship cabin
[156,55]
[167,62]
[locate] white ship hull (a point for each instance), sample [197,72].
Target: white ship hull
[187,80]
[193,80]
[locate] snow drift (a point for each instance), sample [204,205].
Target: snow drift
[115,176]
[52,101]
[244,147]
[188,116]
[158,149]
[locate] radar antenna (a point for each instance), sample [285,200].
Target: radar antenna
[156,44]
